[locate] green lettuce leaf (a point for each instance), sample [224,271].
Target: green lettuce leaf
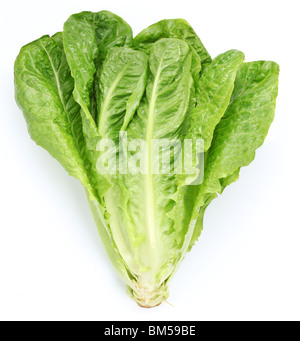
[138,204]
[172,28]
[241,131]
[43,89]
[122,85]
[216,84]
[88,37]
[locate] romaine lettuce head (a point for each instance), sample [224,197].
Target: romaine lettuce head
[152,127]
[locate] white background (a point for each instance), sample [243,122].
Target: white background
[246,264]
